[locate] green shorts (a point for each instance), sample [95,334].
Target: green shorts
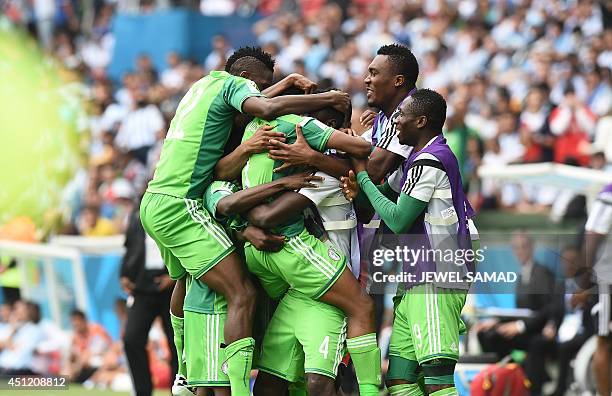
[427,325]
[304,264]
[203,353]
[189,239]
[304,336]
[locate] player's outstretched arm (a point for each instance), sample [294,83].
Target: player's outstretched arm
[382,162]
[244,200]
[270,108]
[293,80]
[301,153]
[288,205]
[229,167]
[355,146]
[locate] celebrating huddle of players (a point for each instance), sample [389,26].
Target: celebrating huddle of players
[263,199]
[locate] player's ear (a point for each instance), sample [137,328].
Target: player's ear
[245,74]
[421,121]
[399,80]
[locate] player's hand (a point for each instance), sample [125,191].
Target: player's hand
[549,331]
[508,330]
[303,83]
[296,154]
[367,118]
[485,325]
[359,164]
[579,299]
[126,284]
[300,180]
[349,186]
[263,240]
[163,282]
[340,100]
[349,132]
[260,141]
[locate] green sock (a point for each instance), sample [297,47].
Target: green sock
[237,365]
[452,391]
[179,336]
[366,358]
[405,390]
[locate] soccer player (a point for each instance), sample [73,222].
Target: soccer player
[205,311]
[598,260]
[391,78]
[191,242]
[318,271]
[431,206]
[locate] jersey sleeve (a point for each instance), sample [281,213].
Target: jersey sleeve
[423,176]
[237,89]
[389,141]
[316,133]
[329,187]
[600,217]
[367,136]
[215,192]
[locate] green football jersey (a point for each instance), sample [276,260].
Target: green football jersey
[260,169]
[198,134]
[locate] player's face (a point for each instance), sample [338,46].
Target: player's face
[379,82]
[408,125]
[263,79]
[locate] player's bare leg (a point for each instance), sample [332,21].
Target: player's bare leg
[179,387]
[269,385]
[321,385]
[230,279]
[347,295]
[217,391]
[601,363]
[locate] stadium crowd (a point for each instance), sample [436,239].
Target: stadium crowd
[525,81]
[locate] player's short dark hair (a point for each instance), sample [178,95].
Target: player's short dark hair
[330,113]
[77,313]
[429,103]
[249,58]
[402,60]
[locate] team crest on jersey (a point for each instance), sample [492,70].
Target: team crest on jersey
[333,254]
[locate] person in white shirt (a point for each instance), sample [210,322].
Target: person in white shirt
[140,127]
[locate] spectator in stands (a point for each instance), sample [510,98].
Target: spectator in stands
[89,344]
[534,129]
[603,136]
[145,279]
[140,127]
[173,78]
[572,122]
[576,327]
[18,350]
[90,223]
[221,50]
[537,290]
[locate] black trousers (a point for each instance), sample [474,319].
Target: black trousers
[141,314]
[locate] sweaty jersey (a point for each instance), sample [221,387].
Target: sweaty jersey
[198,134]
[200,298]
[260,169]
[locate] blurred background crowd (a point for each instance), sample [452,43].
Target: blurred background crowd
[526,81]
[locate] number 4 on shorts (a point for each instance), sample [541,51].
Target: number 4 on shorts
[324,347]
